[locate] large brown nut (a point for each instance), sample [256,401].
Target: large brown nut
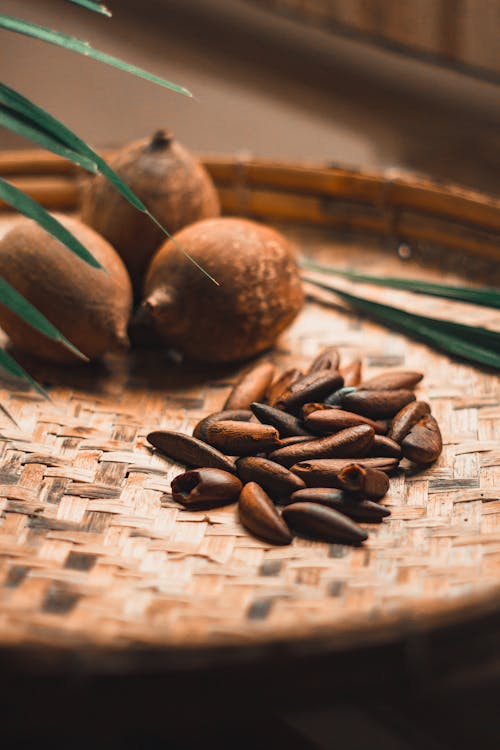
[168,179]
[258,296]
[90,306]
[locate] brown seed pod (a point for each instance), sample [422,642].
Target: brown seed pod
[252,386]
[90,306]
[327,359]
[364,511]
[242,438]
[312,387]
[404,420]
[189,450]
[258,515]
[351,373]
[349,443]
[363,481]
[235,415]
[282,382]
[323,472]
[294,440]
[377,404]
[273,477]
[313,406]
[323,523]
[259,292]
[384,446]
[392,381]
[328,421]
[286,424]
[206,488]
[423,444]
[168,179]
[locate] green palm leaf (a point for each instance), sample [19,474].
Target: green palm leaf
[12,299]
[20,26]
[26,128]
[42,123]
[33,210]
[96,7]
[473,343]
[64,142]
[485,296]
[10,366]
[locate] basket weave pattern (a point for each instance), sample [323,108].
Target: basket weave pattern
[95,550]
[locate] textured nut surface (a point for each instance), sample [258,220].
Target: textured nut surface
[90,306]
[423,444]
[272,477]
[189,450]
[259,515]
[242,438]
[168,179]
[404,420]
[323,523]
[351,442]
[252,386]
[206,487]
[259,292]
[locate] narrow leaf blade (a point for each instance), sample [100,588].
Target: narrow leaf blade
[485,296]
[94,6]
[44,34]
[26,128]
[441,334]
[33,210]
[13,368]
[43,120]
[12,299]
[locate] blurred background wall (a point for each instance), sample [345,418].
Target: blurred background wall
[271,79]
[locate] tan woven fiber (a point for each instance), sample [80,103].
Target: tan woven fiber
[94,551]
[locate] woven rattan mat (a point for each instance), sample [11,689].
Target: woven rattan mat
[93,550]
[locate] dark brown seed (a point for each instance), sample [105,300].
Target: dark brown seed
[392,381]
[365,511]
[319,522]
[295,440]
[274,478]
[189,450]
[423,444]
[384,446]
[406,418]
[377,404]
[235,415]
[350,443]
[313,387]
[328,359]
[251,386]
[315,406]
[258,515]
[280,385]
[286,424]
[363,481]
[351,373]
[324,472]
[206,488]
[336,398]
[328,421]
[242,438]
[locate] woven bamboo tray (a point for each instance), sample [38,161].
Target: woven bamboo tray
[99,567]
